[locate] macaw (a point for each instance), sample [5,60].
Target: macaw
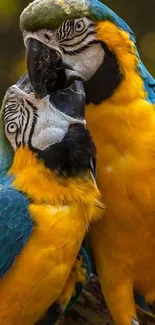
[99,48]
[48,197]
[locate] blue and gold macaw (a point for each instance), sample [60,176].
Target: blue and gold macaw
[48,197]
[99,48]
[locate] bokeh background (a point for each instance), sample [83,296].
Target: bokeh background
[139,14]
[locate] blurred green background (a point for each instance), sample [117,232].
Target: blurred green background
[139,14]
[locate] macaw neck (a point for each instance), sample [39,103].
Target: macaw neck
[43,185]
[107,78]
[6,154]
[131,86]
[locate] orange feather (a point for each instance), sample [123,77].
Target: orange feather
[123,129]
[61,210]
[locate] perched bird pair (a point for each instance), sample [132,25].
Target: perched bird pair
[83,39]
[99,48]
[48,198]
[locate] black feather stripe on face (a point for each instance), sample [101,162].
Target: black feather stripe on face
[20,117]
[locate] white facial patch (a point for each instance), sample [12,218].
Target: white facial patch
[52,125]
[36,121]
[85,63]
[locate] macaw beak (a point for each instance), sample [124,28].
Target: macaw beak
[44,65]
[70,100]
[46,74]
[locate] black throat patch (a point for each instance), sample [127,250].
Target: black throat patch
[73,155]
[106,79]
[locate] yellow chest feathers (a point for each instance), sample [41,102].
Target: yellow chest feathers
[125,139]
[44,186]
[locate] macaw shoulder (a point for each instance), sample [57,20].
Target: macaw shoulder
[15,224]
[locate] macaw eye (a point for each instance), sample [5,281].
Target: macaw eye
[80,26]
[12,127]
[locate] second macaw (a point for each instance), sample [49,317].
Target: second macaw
[120,94]
[47,199]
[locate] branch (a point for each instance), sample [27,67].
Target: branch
[91,309]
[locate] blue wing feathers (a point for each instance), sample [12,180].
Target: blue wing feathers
[15,224]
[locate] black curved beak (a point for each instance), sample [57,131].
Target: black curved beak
[70,100]
[46,75]
[43,63]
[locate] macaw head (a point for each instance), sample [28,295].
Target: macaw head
[53,127]
[90,41]
[37,122]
